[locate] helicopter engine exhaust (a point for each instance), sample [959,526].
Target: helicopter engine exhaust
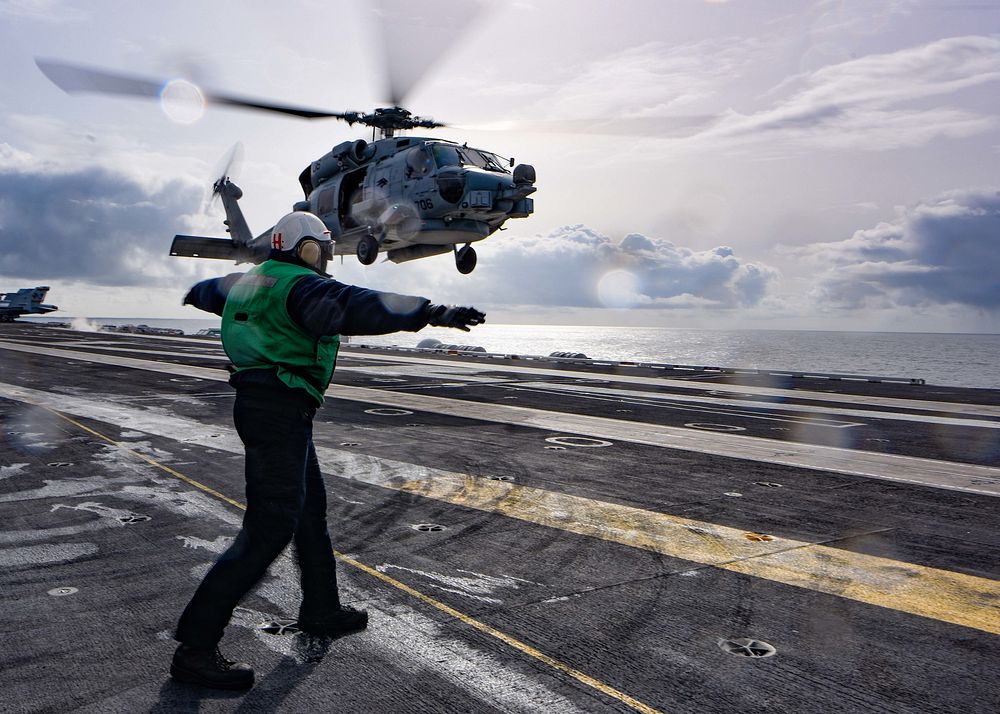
[343,157]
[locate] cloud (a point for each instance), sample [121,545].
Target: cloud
[53,11]
[643,78]
[845,20]
[90,224]
[643,82]
[874,102]
[701,95]
[944,250]
[575,266]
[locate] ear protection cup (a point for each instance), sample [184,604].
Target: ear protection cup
[310,252]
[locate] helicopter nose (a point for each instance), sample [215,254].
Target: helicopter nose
[481,198]
[524,175]
[451,185]
[513,197]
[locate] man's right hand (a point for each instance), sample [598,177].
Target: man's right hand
[458,317]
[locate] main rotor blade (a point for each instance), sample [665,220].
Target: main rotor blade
[260,105]
[652,127]
[75,78]
[415,35]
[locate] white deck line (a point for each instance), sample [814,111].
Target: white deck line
[888,467]
[352,351]
[774,392]
[779,406]
[471,373]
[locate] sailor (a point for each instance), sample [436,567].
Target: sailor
[281,327]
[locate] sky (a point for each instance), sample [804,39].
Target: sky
[810,164]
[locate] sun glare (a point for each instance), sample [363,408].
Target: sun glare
[182,101]
[618,288]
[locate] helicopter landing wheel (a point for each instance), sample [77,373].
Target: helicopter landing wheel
[465,259]
[367,250]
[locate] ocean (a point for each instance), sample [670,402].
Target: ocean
[964,360]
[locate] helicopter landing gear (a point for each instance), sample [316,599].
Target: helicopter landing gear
[367,249]
[465,259]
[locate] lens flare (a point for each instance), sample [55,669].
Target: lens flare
[182,101]
[619,288]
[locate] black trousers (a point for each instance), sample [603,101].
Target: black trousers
[286,499]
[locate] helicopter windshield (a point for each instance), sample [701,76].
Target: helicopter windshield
[451,155]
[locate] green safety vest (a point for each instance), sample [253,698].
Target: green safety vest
[258,333]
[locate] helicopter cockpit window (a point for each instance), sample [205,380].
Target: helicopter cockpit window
[486,160]
[327,200]
[447,155]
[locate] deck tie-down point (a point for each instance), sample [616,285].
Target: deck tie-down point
[60,592]
[747,647]
[279,627]
[428,527]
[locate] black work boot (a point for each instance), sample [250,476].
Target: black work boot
[209,668]
[335,623]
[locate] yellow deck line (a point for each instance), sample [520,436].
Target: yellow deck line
[948,596]
[517,644]
[943,595]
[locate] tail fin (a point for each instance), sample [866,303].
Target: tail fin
[236,224]
[38,294]
[241,246]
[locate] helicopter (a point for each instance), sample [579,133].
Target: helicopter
[409,197]
[406,197]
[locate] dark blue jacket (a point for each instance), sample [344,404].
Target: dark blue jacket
[323,306]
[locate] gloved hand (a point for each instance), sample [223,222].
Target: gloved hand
[457,317]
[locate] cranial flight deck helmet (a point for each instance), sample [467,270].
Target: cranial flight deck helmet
[306,236]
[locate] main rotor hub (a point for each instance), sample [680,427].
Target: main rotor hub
[389,120]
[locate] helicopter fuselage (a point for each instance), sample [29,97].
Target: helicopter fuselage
[413,196]
[405,197]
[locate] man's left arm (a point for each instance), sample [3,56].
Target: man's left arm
[328,307]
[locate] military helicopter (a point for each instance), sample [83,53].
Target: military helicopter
[411,197]
[408,197]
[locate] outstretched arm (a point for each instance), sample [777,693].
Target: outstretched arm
[328,307]
[210,295]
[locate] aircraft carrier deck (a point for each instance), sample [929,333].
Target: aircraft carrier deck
[536,535]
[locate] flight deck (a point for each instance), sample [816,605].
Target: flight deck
[527,535]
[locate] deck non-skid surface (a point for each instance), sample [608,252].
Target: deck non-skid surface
[515,554]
